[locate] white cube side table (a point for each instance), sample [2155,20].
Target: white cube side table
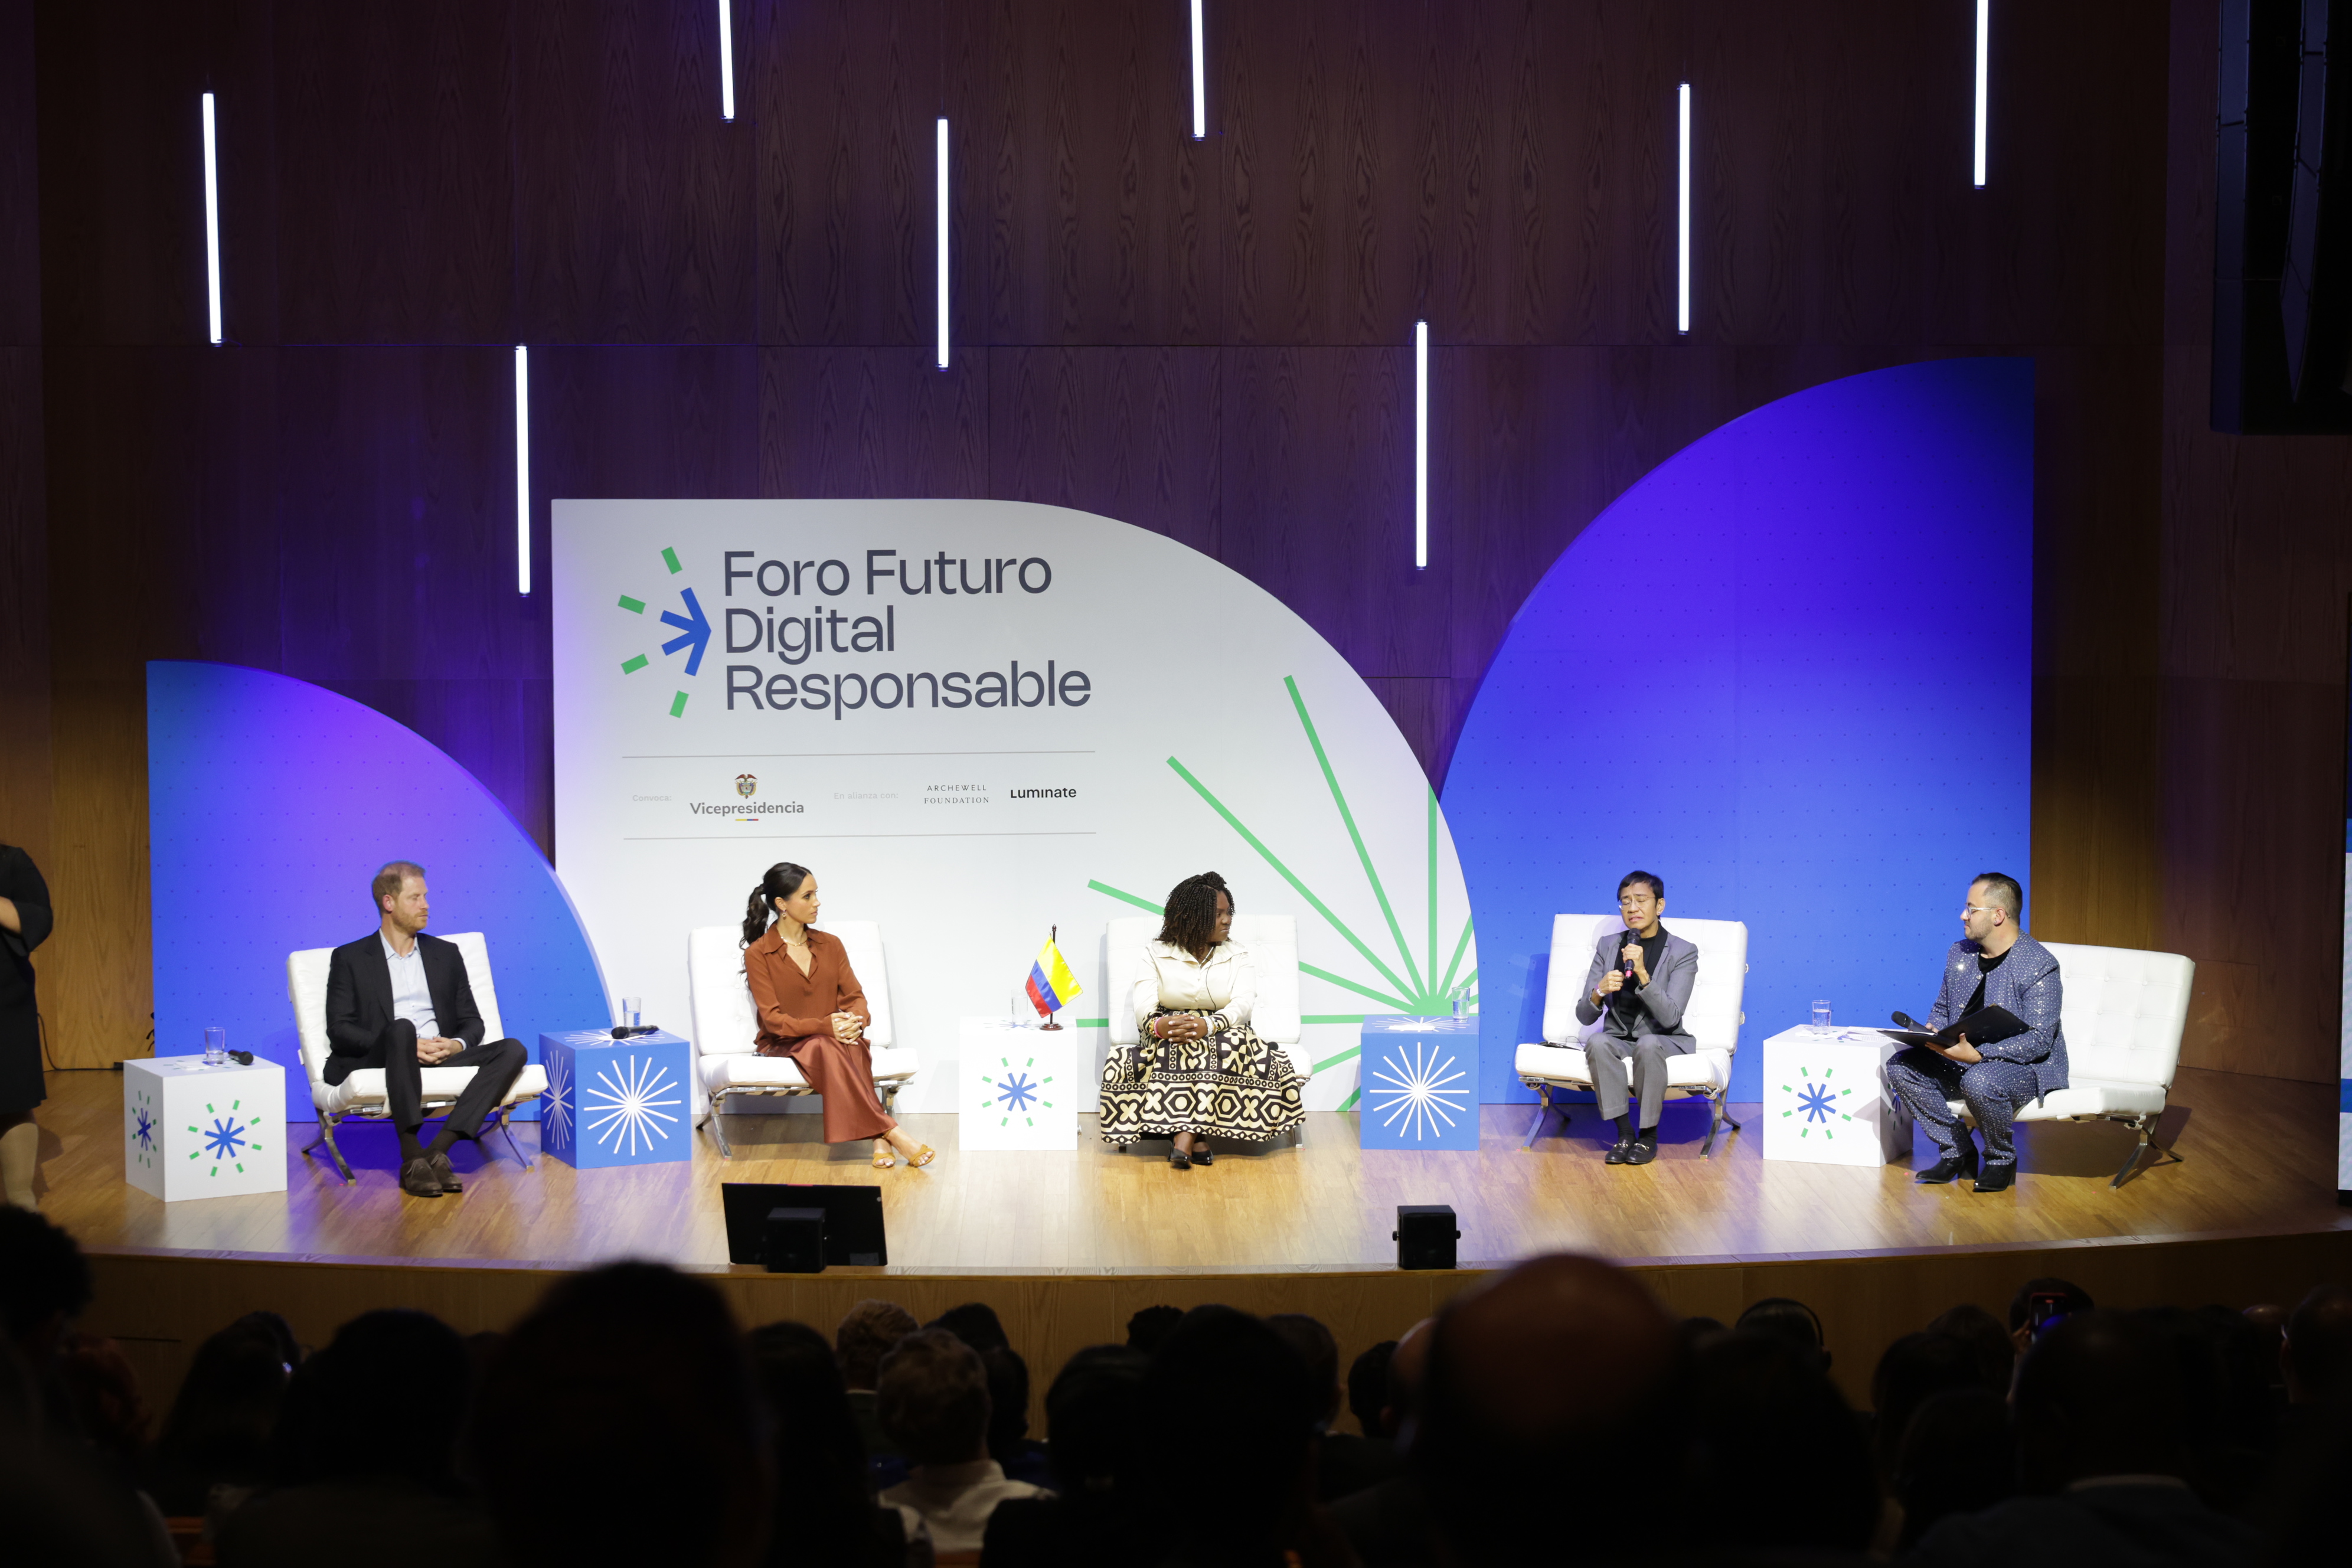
[1826,1099]
[1016,1089]
[195,1132]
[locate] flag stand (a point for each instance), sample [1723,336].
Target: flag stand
[1053,935]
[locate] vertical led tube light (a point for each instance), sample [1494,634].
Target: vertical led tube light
[726,60]
[523,470]
[1984,61]
[1200,79]
[212,220]
[1682,211]
[943,241]
[1420,445]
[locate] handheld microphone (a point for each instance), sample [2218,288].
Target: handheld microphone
[1906,1020]
[1625,965]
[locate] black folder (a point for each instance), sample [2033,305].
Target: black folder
[1985,1027]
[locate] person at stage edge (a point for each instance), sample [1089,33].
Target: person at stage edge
[813,1009]
[400,1000]
[24,926]
[1198,1068]
[1642,1016]
[1996,965]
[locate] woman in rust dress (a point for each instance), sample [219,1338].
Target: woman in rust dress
[813,1010]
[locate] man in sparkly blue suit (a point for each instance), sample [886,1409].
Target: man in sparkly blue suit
[1996,965]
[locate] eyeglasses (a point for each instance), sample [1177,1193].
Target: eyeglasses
[1976,909]
[1639,899]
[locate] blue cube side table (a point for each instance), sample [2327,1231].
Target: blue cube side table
[1420,1079]
[615,1103]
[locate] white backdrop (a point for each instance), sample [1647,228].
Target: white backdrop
[903,743]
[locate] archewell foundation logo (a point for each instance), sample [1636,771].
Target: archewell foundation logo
[693,637]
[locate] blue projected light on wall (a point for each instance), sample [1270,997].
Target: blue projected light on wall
[1790,672]
[271,802]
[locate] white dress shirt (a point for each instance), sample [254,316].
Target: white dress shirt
[1226,982]
[955,1500]
[411,998]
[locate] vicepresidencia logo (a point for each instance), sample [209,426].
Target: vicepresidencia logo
[746,785]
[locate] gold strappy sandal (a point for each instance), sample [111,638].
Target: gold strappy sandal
[923,1156]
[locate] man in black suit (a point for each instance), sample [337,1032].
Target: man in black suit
[399,1000]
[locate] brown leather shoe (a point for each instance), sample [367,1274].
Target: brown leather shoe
[444,1173]
[417,1179]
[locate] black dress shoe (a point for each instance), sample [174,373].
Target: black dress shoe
[1996,1178]
[1645,1149]
[442,1171]
[1181,1161]
[1963,1163]
[1202,1157]
[1618,1152]
[417,1180]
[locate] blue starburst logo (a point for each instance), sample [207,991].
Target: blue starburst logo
[1817,1103]
[1016,1093]
[625,1110]
[556,1116]
[1415,1093]
[226,1140]
[145,1131]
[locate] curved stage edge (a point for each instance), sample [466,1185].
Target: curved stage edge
[1067,1246]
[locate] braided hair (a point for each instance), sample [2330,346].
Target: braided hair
[1190,920]
[782,880]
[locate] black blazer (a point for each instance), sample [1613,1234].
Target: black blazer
[359,999]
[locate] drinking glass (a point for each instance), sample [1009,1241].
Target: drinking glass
[633,1011]
[215,1045]
[1822,1017]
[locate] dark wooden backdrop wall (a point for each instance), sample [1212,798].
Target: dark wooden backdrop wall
[1208,339]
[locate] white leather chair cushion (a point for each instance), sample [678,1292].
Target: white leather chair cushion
[1273,943]
[364,1088]
[1712,1017]
[306,989]
[2084,1097]
[2124,1011]
[1565,1066]
[735,1069]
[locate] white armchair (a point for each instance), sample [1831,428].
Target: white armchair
[2124,1013]
[1713,1017]
[727,1061]
[362,1093]
[1273,943]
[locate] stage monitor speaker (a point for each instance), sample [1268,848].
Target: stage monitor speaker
[2283,218]
[794,1241]
[853,1220]
[1425,1235]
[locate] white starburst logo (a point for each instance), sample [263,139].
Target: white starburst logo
[556,1119]
[623,1112]
[1416,1094]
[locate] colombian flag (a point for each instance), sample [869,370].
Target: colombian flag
[1051,984]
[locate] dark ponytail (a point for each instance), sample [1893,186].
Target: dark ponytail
[782,880]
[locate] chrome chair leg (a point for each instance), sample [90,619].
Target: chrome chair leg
[327,1136]
[515,1148]
[717,1134]
[1543,1109]
[2147,1129]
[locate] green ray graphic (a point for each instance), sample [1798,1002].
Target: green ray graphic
[1407,986]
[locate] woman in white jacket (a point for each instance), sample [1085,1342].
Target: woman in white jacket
[1197,1067]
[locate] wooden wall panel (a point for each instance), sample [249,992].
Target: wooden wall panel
[2256,569]
[1132,434]
[845,96]
[1102,212]
[872,422]
[634,197]
[395,183]
[26,776]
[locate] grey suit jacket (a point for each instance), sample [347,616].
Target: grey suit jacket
[1652,1009]
[2027,985]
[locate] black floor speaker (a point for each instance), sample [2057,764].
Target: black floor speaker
[793,1241]
[1425,1235]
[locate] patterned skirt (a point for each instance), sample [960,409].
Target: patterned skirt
[1229,1085]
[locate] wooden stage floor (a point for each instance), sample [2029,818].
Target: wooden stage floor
[2257,1153]
[1067,1246]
